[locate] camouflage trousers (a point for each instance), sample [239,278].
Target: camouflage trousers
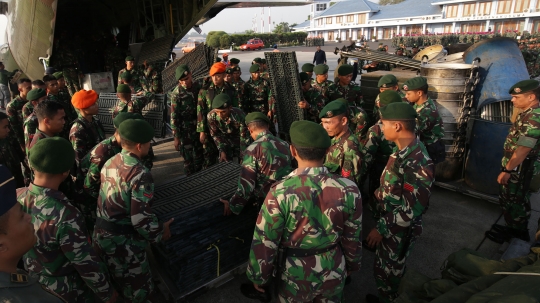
[515,203]
[318,278]
[390,258]
[210,152]
[192,152]
[71,76]
[71,288]
[128,265]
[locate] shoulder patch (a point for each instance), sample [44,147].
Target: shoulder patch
[408,187]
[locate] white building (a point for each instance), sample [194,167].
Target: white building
[352,19]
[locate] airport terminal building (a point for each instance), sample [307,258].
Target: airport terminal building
[354,19]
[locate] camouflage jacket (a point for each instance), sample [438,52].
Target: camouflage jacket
[84,136]
[352,93]
[316,102]
[153,80]
[375,148]
[65,100]
[125,197]
[323,88]
[265,75]
[135,89]
[358,120]
[239,87]
[231,132]
[204,102]
[257,97]
[266,160]
[15,116]
[27,110]
[135,105]
[30,126]
[94,161]
[375,113]
[308,209]
[343,157]
[38,135]
[137,77]
[62,255]
[405,188]
[429,124]
[184,111]
[525,131]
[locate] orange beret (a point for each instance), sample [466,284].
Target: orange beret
[84,98]
[217,68]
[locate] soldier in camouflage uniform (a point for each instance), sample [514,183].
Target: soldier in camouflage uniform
[313,100]
[227,128]
[153,79]
[520,168]
[11,154]
[237,82]
[266,160]
[35,97]
[127,79]
[137,77]
[184,120]
[125,224]
[53,94]
[127,104]
[308,69]
[264,70]
[62,257]
[14,109]
[386,82]
[332,248]
[402,199]
[343,156]
[62,88]
[429,123]
[204,105]
[51,120]
[321,83]
[233,62]
[257,95]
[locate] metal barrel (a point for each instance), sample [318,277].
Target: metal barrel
[447,83]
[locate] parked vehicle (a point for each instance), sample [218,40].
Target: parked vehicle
[189,47]
[252,44]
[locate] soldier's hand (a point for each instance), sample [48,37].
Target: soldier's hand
[202,137]
[223,157]
[167,230]
[303,104]
[114,297]
[269,114]
[258,288]
[503,178]
[374,238]
[226,210]
[140,93]
[177,144]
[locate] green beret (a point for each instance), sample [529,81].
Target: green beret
[309,134]
[221,101]
[53,155]
[389,96]
[345,69]
[234,61]
[182,71]
[121,117]
[123,89]
[332,109]
[304,78]
[254,68]
[136,130]
[58,75]
[35,94]
[398,111]
[523,87]
[256,116]
[320,69]
[263,61]
[414,83]
[237,69]
[344,101]
[308,67]
[387,81]
[126,75]
[129,58]
[256,60]
[229,70]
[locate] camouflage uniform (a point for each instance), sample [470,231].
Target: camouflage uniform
[375,114]
[27,110]
[11,156]
[309,209]
[184,125]
[30,126]
[94,161]
[125,199]
[352,93]
[153,80]
[265,75]
[323,88]
[204,105]
[239,87]
[266,160]
[514,198]
[257,97]
[402,199]
[137,77]
[15,116]
[231,136]
[429,124]
[358,120]
[62,257]
[343,157]
[316,102]
[136,105]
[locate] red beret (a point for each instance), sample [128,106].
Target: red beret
[218,68]
[84,98]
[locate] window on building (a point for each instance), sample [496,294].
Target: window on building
[471,27]
[451,11]
[469,9]
[521,6]
[329,20]
[504,6]
[330,35]
[321,7]
[319,22]
[535,27]
[362,18]
[484,8]
[447,28]
[350,18]
[339,20]
[537,6]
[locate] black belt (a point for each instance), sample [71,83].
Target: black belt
[299,252]
[114,228]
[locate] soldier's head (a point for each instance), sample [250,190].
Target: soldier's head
[234,62]
[399,52]
[309,143]
[345,74]
[39,84]
[52,159]
[51,117]
[222,104]
[257,61]
[398,121]
[388,82]
[255,71]
[121,117]
[334,117]
[308,69]
[305,80]
[217,73]
[60,78]
[525,94]
[4,126]
[257,122]
[416,89]
[51,84]
[136,136]
[237,72]
[229,74]
[126,77]
[17,234]
[183,75]
[123,92]
[24,85]
[36,96]
[321,73]
[130,62]
[86,102]
[263,64]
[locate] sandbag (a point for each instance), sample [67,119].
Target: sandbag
[466,265]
